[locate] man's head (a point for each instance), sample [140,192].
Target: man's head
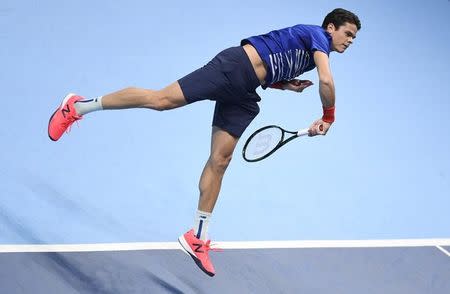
[342,25]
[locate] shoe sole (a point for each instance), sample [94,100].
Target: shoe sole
[68,96]
[186,248]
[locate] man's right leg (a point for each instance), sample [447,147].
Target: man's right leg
[74,107]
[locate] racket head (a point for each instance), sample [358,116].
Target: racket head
[262,143]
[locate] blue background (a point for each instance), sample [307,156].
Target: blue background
[123,176]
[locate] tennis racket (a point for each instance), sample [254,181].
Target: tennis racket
[265,141]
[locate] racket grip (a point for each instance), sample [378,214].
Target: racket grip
[303,132]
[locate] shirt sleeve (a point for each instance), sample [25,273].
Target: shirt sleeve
[320,42]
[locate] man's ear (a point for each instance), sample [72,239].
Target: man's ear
[330,27]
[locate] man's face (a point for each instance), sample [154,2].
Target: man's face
[342,37]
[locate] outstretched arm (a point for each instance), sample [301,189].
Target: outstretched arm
[327,95]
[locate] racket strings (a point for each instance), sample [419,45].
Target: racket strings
[263,143]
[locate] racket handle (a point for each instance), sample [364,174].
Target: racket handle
[303,132]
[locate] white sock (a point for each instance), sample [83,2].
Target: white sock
[201,224]
[86,106]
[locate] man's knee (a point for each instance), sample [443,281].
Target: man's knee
[160,101]
[149,98]
[220,162]
[168,98]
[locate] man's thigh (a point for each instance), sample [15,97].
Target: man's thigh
[222,142]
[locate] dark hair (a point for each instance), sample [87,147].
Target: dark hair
[339,17]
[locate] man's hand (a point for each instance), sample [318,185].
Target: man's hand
[297,85]
[319,127]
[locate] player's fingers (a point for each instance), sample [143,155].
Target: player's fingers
[313,130]
[302,87]
[291,86]
[323,129]
[295,82]
[319,129]
[306,83]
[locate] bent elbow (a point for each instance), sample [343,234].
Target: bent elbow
[326,81]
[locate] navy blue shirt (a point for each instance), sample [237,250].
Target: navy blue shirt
[288,52]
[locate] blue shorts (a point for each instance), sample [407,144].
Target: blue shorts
[230,80]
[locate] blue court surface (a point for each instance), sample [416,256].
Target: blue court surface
[381,266]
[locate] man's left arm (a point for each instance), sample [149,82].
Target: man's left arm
[327,95]
[295,85]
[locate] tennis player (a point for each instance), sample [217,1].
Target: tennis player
[271,60]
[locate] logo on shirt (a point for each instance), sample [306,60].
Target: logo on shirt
[288,65]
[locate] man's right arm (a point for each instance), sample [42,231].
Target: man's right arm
[327,95]
[326,84]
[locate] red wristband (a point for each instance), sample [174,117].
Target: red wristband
[328,114]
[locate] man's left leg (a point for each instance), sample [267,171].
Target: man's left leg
[195,241]
[222,147]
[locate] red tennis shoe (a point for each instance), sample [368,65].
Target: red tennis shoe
[63,117]
[198,250]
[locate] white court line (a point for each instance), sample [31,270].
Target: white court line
[228,245]
[334,244]
[443,250]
